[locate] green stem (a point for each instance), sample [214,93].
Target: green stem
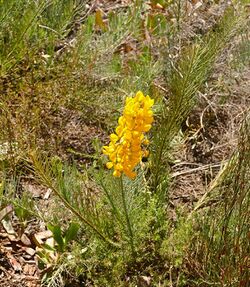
[83,219]
[131,237]
[109,197]
[48,182]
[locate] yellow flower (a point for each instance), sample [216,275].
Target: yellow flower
[124,150]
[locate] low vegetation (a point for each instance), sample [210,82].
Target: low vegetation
[174,213]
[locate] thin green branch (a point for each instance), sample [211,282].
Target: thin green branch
[131,236]
[48,182]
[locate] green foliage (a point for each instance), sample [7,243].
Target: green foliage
[176,244]
[186,78]
[63,240]
[40,24]
[221,238]
[15,39]
[24,208]
[59,66]
[241,57]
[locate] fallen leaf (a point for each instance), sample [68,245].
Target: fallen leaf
[51,242]
[6,210]
[14,263]
[11,237]
[29,269]
[25,240]
[7,225]
[39,237]
[47,194]
[29,250]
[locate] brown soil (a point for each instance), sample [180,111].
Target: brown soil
[210,135]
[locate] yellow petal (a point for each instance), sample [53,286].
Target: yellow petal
[130,174]
[117,173]
[118,167]
[139,96]
[121,120]
[109,165]
[114,138]
[147,128]
[105,149]
[112,156]
[149,102]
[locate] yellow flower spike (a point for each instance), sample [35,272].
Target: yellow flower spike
[112,157]
[114,138]
[119,167]
[128,100]
[124,150]
[119,130]
[139,96]
[130,174]
[117,173]
[149,102]
[109,165]
[121,121]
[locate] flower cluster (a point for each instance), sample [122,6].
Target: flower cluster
[125,148]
